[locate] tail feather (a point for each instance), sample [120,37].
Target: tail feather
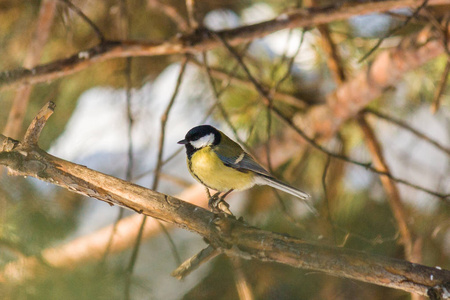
[279,185]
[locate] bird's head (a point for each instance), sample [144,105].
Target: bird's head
[200,137]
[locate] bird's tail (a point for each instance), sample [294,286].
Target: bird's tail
[279,185]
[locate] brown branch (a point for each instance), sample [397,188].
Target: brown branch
[194,262]
[441,88]
[86,19]
[333,57]
[20,102]
[242,284]
[171,12]
[34,130]
[223,75]
[231,236]
[199,40]
[192,14]
[389,185]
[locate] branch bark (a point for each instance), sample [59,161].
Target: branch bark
[20,102]
[197,41]
[230,236]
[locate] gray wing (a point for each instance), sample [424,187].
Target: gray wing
[244,162]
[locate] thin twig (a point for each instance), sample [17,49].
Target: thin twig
[218,104]
[34,130]
[194,262]
[172,245]
[229,77]
[130,160]
[404,125]
[171,12]
[274,91]
[192,14]
[156,175]
[441,88]
[133,258]
[326,199]
[164,118]
[242,284]
[394,31]
[334,60]
[125,32]
[85,18]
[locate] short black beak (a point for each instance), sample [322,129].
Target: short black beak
[183,142]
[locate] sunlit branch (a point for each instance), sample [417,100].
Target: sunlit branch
[197,41]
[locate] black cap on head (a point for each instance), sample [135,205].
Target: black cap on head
[199,132]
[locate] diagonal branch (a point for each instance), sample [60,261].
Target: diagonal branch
[405,126]
[86,19]
[231,236]
[198,41]
[389,185]
[19,106]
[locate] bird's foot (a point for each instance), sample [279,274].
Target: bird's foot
[218,205]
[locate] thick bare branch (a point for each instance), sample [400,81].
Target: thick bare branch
[198,41]
[226,234]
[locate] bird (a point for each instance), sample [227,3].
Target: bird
[220,164]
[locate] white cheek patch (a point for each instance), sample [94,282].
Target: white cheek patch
[203,141]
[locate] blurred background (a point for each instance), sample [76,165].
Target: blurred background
[108,118]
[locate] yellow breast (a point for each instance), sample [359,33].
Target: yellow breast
[206,167]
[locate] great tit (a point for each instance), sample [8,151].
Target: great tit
[221,164]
